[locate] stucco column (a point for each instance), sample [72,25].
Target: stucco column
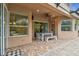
[73,24]
[30,25]
[57,25]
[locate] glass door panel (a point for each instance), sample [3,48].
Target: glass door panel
[40,27]
[5,29]
[3,18]
[0,29]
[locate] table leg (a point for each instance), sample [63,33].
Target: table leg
[42,37]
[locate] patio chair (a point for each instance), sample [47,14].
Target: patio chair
[40,36]
[50,36]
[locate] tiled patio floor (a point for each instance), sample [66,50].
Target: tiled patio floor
[71,48]
[44,48]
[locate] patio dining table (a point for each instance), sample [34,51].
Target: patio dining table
[42,35]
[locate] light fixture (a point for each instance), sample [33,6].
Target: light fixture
[46,14]
[14,23]
[38,10]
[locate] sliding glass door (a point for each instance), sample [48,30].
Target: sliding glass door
[40,27]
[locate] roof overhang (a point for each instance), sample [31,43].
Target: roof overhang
[43,7]
[61,10]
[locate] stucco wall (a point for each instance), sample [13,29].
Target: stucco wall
[25,39]
[67,34]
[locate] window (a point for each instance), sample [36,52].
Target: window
[18,24]
[66,25]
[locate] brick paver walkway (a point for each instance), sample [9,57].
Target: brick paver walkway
[70,48]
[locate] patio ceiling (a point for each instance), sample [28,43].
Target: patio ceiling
[42,7]
[61,13]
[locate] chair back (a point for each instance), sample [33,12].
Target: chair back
[51,34]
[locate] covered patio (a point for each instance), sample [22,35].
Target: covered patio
[39,48]
[45,14]
[25,20]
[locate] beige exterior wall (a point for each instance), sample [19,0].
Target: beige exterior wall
[66,34]
[21,40]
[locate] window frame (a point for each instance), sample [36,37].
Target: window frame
[18,25]
[68,25]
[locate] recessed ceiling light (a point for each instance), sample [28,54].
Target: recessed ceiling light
[37,10]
